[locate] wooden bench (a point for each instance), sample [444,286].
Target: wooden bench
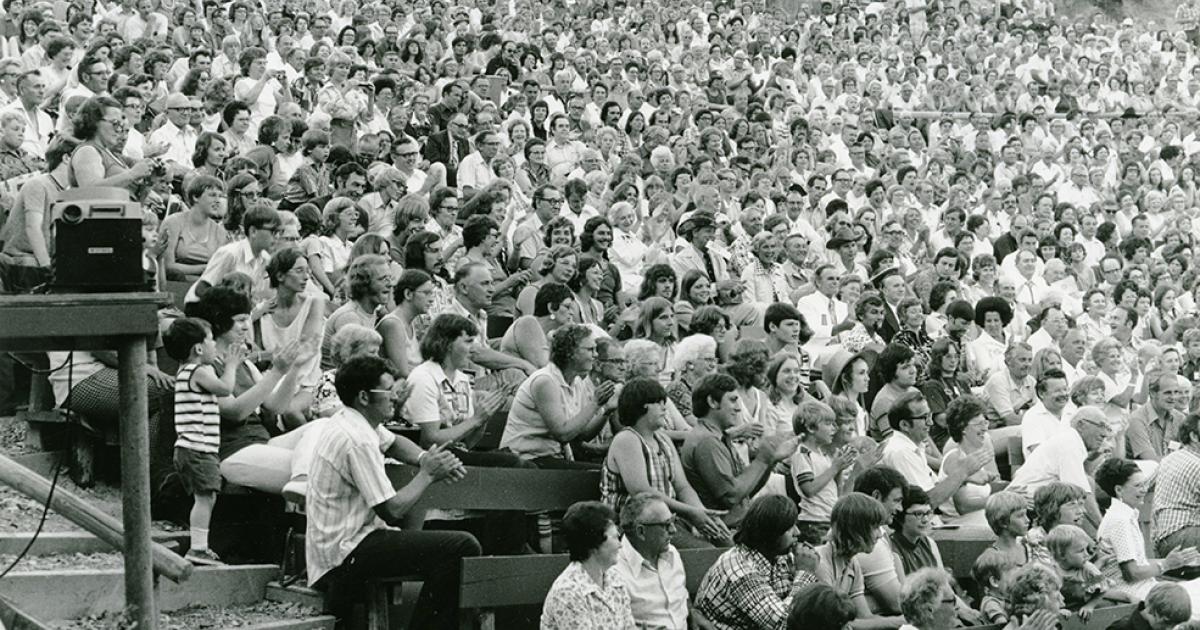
[488,489]
[499,581]
[961,546]
[510,489]
[49,429]
[1100,619]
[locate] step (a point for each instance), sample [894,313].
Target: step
[256,616]
[74,594]
[56,543]
[296,593]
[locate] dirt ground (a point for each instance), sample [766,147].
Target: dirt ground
[201,618]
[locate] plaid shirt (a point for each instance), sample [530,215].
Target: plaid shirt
[745,590]
[1177,495]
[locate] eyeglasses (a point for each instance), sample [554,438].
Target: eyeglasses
[921,514]
[553,199]
[117,123]
[668,524]
[386,392]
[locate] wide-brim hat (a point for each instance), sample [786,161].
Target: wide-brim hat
[844,236]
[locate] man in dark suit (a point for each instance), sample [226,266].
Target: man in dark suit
[449,147]
[453,95]
[891,284]
[1008,242]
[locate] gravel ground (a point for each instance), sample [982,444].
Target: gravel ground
[200,618]
[19,513]
[12,437]
[68,562]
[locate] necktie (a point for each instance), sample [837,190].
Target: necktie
[832,314]
[453,153]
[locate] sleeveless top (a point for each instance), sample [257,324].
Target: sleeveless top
[412,345]
[275,336]
[197,417]
[659,471]
[112,163]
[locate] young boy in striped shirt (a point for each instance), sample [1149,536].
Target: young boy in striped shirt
[198,421]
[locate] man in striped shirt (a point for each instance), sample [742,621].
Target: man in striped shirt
[353,510]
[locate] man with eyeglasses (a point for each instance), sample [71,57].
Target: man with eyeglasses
[527,241]
[347,542]
[1063,458]
[449,146]
[910,419]
[177,134]
[842,180]
[650,566]
[93,73]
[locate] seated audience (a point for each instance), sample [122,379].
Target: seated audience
[1065,457]
[347,542]
[1167,605]
[967,426]
[910,419]
[820,606]
[549,410]
[1120,531]
[1034,600]
[1084,585]
[928,601]
[752,584]
[650,565]
[590,593]
[1175,521]
[642,459]
[1008,517]
[854,527]
[711,462]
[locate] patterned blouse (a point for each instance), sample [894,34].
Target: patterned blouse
[575,602]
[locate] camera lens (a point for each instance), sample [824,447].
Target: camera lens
[72,214]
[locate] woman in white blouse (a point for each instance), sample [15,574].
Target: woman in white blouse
[985,354]
[627,252]
[1120,533]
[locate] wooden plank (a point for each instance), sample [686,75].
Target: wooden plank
[960,547]
[1101,617]
[499,581]
[13,618]
[506,488]
[59,317]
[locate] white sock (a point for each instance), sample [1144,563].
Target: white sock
[199,539]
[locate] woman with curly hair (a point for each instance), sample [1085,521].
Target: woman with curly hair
[985,354]
[550,409]
[968,431]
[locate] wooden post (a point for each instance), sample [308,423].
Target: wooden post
[135,482]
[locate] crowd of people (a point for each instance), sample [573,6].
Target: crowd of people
[796,278]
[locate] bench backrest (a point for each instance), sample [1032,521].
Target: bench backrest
[499,581]
[521,489]
[960,548]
